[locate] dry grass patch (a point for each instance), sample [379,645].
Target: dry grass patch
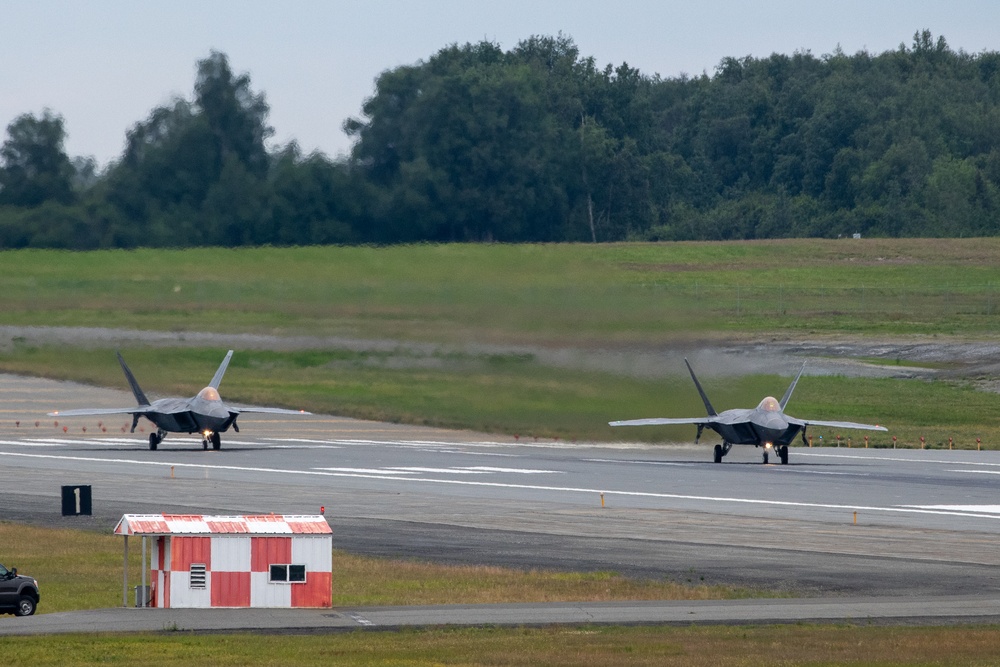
[364,581]
[576,646]
[79,569]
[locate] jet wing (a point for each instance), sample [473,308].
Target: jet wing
[273,411]
[814,422]
[136,409]
[655,421]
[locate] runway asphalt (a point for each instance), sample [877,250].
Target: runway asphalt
[841,524]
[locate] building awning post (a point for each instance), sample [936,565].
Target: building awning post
[125,575]
[143,570]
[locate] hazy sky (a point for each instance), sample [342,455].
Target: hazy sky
[105,65]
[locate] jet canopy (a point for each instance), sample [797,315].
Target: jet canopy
[209,394]
[770,404]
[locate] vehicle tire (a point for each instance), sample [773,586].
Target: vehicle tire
[153,441]
[718,453]
[216,441]
[25,606]
[765,457]
[204,444]
[783,454]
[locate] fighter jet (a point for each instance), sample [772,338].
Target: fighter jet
[765,426]
[204,413]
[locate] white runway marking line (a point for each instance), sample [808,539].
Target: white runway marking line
[27,443]
[897,459]
[651,463]
[369,471]
[361,620]
[982,509]
[529,487]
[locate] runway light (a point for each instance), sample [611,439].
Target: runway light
[65,429]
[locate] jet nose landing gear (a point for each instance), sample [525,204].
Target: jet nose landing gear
[781,450]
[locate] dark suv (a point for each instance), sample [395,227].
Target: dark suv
[18,594]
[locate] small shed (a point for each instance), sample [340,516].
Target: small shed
[232,561]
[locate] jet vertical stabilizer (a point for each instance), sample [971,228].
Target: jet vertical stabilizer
[704,398]
[217,378]
[140,397]
[791,388]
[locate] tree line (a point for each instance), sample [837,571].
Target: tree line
[540,144]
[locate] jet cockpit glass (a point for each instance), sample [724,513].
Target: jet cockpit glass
[209,394]
[770,404]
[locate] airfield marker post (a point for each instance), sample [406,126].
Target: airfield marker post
[949,443]
[855,517]
[894,442]
[921,442]
[978,443]
[866,442]
[602,499]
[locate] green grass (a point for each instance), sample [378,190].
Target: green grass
[518,396]
[577,646]
[539,294]
[83,570]
[543,296]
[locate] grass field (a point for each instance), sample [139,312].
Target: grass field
[586,296]
[83,570]
[517,396]
[540,296]
[80,570]
[572,646]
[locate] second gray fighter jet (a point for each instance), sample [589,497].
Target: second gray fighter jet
[765,426]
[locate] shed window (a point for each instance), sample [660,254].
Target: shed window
[198,575]
[288,574]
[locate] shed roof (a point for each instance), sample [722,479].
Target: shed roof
[205,524]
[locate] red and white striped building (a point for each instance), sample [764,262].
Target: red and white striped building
[235,561]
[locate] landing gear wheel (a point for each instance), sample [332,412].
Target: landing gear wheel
[765,457]
[783,454]
[154,440]
[718,453]
[216,441]
[25,606]
[204,443]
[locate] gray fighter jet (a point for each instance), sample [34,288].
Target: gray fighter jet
[205,413]
[765,426]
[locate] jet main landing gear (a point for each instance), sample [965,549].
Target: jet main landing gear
[156,438]
[722,450]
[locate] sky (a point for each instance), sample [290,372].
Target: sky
[105,65]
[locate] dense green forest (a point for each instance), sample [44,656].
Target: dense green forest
[541,144]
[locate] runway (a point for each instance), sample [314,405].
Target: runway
[839,522]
